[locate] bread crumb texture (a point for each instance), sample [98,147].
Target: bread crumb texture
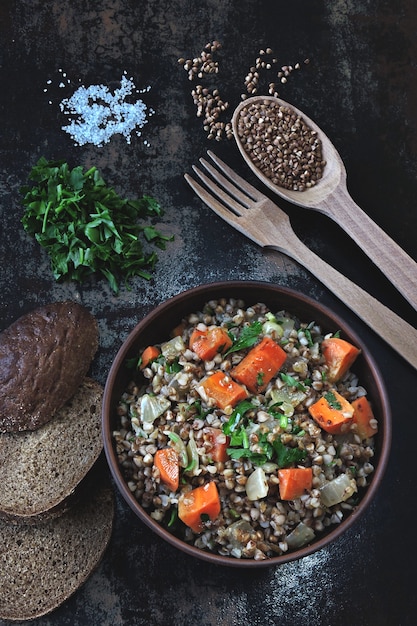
[41,468]
[44,564]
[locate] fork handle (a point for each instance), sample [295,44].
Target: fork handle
[400,335]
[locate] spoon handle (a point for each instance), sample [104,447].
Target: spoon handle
[387,255]
[400,335]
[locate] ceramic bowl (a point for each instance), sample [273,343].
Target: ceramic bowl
[155,328]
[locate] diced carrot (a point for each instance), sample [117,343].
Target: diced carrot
[223,390]
[206,344]
[364,418]
[149,354]
[219,442]
[201,501]
[167,462]
[195,336]
[339,356]
[332,411]
[260,365]
[294,481]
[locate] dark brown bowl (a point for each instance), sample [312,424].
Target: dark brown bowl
[155,327]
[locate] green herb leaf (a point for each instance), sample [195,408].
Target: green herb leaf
[239,438]
[309,338]
[331,400]
[260,378]
[286,456]
[174,367]
[236,416]
[257,458]
[247,338]
[86,227]
[293,382]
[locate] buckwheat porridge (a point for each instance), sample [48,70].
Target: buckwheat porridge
[246,433]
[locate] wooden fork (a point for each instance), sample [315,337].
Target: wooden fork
[253,214]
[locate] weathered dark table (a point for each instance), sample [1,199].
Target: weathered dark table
[361,88]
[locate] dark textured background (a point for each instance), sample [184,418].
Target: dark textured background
[361,88]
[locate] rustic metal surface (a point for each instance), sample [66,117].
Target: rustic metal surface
[361,88]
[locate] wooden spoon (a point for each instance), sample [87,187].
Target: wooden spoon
[331,197]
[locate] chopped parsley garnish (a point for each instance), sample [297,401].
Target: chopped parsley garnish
[263,453]
[174,367]
[86,227]
[308,336]
[332,401]
[260,379]
[283,421]
[247,338]
[199,411]
[293,382]
[286,456]
[236,416]
[264,450]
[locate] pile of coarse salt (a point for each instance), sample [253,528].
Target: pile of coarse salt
[100,114]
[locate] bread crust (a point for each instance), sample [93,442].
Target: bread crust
[44,356]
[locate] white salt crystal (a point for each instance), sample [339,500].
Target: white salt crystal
[100,114]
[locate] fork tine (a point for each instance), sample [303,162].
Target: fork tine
[224,197]
[219,209]
[228,186]
[252,192]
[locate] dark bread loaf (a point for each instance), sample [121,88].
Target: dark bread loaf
[44,356]
[41,468]
[41,565]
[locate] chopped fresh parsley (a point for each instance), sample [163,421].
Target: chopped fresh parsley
[293,382]
[286,456]
[199,411]
[86,227]
[260,379]
[174,367]
[236,416]
[308,336]
[283,421]
[247,338]
[265,450]
[332,401]
[263,453]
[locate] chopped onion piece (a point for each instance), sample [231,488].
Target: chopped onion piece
[179,447]
[287,400]
[239,533]
[193,465]
[287,325]
[272,328]
[338,490]
[257,485]
[300,536]
[152,407]
[173,348]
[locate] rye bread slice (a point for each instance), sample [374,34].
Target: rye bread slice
[42,565]
[44,356]
[41,468]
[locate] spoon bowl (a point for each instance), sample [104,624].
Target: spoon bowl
[330,196]
[334,173]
